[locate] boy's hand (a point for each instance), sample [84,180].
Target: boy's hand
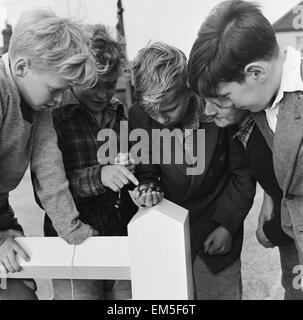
[262,239]
[267,210]
[8,250]
[116,177]
[266,214]
[94,232]
[147,195]
[126,160]
[219,242]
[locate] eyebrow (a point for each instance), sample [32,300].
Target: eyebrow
[225,95]
[217,104]
[170,109]
[59,88]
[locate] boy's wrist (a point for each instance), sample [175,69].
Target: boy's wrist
[93,232]
[78,235]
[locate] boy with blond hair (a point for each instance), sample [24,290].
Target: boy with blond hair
[47,55]
[219,198]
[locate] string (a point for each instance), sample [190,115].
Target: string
[72,273]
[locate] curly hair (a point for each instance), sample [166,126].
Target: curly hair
[109,53]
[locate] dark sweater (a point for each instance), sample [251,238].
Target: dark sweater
[222,195]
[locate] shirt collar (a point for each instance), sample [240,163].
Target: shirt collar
[244,130]
[291,80]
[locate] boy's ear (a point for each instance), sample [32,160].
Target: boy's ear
[256,71]
[21,67]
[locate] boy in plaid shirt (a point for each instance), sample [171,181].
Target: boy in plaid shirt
[97,189]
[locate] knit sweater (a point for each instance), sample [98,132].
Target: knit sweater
[28,137]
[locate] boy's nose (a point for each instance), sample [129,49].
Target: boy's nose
[162,120]
[210,108]
[102,95]
[59,98]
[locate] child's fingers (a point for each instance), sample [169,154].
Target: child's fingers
[8,265]
[122,157]
[21,252]
[136,193]
[159,196]
[141,200]
[15,233]
[125,158]
[149,200]
[2,268]
[118,182]
[143,187]
[123,163]
[132,169]
[95,233]
[132,159]
[155,198]
[129,176]
[13,261]
[207,244]
[212,250]
[114,187]
[123,179]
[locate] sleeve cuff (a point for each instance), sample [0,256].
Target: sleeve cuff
[78,235]
[96,175]
[227,222]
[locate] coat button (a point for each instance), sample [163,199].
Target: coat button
[289,196]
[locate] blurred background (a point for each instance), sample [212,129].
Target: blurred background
[175,22]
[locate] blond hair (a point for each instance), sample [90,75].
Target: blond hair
[109,53]
[158,69]
[53,43]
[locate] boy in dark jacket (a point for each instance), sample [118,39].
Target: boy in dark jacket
[220,196]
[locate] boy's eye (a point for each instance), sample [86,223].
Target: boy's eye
[53,90]
[110,85]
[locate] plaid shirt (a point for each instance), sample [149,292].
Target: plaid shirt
[245,130]
[77,132]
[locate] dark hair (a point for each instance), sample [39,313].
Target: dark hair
[234,34]
[108,52]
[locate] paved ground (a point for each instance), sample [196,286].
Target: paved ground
[260,267]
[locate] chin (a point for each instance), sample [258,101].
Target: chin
[256,109]
[221,123]
[38,108]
